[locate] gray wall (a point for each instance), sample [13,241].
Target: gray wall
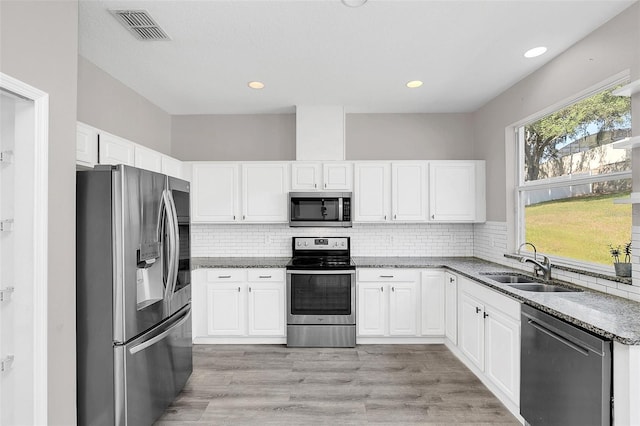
[109,105]
[409,136]
[39,46]
[610,49]
[234,137]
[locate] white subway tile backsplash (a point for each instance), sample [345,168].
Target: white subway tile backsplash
[209,240]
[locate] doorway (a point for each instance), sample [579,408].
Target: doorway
[23,253]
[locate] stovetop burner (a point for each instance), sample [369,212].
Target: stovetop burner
[321,253]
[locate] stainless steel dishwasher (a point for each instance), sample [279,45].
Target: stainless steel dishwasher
[565,373]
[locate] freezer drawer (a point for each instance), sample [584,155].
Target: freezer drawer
[152,369]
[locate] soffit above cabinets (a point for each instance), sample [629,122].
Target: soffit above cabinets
[320,52]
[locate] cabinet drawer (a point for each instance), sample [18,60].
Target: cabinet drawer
[392,275]
[265,274]
[225,275]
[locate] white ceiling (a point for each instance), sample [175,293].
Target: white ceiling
[320,52]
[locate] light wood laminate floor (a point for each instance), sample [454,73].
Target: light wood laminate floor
[384,384]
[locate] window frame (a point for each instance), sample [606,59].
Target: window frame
[522,186]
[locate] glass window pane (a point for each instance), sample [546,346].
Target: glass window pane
[579,222]
[575,140]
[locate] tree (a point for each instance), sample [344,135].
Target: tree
[544,137]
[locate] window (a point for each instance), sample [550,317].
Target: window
[569,175]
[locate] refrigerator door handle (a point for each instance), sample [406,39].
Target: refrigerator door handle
[147,343]
[171,222]
[176,252]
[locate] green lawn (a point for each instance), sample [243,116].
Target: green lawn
[580,228]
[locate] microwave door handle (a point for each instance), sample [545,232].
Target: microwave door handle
[340,212]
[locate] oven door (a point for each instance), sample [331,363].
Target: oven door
[321,297]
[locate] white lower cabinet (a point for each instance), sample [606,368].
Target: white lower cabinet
[489,335]
[388,302]
[242,303]
[451,307]
[432,303]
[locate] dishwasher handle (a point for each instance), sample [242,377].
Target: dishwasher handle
[558,337]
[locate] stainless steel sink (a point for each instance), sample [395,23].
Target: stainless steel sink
[543,288]
[527,283]
[510,278]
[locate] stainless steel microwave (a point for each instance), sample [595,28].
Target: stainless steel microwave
[320,209]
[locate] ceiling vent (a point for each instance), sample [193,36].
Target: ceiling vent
[141,24]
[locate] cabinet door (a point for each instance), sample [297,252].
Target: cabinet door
[305,176]
[408,189]
[266,308]
[147,159]
[338,176]
[433,303]
[86,145]
[403,309]
[502,352]
[452,191]
[215,192]
[371,309]
[372,192]
[471,328]
[172,167]
[451,307]
[264,192]
[115,150]
[226,309]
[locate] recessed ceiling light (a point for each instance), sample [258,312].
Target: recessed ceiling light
[536,51]
[414,84]
[353,3]
[256,84]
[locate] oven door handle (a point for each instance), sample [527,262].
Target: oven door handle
[325,272]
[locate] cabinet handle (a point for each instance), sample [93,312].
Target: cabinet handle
[484,315]
[385,217]
[382,289]
[451,279]
[386,276]
[315,185]
[238,289]
[433,216]
[249,289]
[242,217]
[394,217]
[224,276]
[478,310]
[393,289]
[325,184]
[265,276]
[234,217]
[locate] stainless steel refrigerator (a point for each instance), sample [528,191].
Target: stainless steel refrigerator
[133,294]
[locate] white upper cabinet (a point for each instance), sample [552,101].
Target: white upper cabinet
[372,191]
[172,167]
[264,192]
[391,191]
[457,191]
[215,192]
[86,145]
[148,159]
[337,176]
[408,191]
[116,150]
[306,176]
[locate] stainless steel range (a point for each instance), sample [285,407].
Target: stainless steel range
[321,293]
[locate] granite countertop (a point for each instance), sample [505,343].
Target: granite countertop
[609,316]
[239,262]
[603,314]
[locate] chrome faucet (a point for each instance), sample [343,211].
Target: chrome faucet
[540,268]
